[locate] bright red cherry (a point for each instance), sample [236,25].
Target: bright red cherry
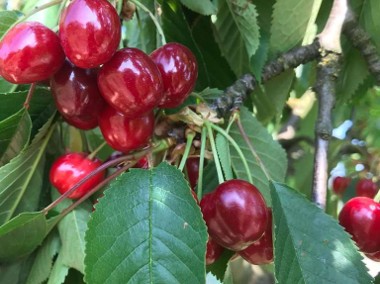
[71,168]
[90,32]
[360,216]
[77,96]
[30,52]
[366,187]
[179,70]
[192,168]
[125,134]
[213,252]
[235,214]
[142,163]
[131,82]
[261,251]
[340,184]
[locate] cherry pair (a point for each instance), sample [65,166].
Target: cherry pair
[364,187]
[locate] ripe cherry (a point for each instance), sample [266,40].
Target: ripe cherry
[360,216]
[366,188]
[179,70]
[71,168]
[235,214]
[192,168]
[30,52]
[261,251]
[125,134]
[143,163]
[77,96]
[213,251]
[340,184]
[90,32]
[374,256]
[131,83]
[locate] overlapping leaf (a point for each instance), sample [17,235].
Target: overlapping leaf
[147,228]
[224,155]
[204,7]
[7,19]
[304,251]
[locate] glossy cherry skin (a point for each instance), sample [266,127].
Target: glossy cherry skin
[77,96]
[90,32]
[213,251]
[340,184]
[192,168]
[261,251]
[130,82]
[125,134]
[71,168]
[235,214]
[30,52]
[366,188]
[360,217]
[179,70]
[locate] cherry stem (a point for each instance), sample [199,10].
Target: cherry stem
[189,142]
[250,146]
[154,19]
[235,115]
[377,197]
[214,152]
[201,163]
[97,150]
[237,148]
[29,95]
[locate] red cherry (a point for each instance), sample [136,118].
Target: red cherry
[213,251]
[71,168]
[30,52]
[90,32]
[374,256]
[131,82]
[235,214]
[179,70]
[360,217]
[192,168]
[125,134]
[261,251]
[340,184]
[77,96]
[366,187]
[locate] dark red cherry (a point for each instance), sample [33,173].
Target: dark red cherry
[30,52]
[213,251]
[77,96]
[71,168]
[125,134]
[235,214]
[261,251]
[366,187]
[360,216]
[192,168]
[374,256]
[179,71]
[131,82]
[340,184]
[90,32]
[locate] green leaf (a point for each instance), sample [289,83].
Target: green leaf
[21,235]
[177,29]
[369,19]
[210,178]
[43,263]
[237,33]
[49,16]
[23,174]
[7,19]
[6,87]
[95,139]
[289,26]
[59,271]
[270,152]
[219,267]
[204,7]
[304,251]
[224,155]
[147,228]
[14,135]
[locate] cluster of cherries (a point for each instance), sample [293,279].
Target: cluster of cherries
[360,216]
[237,218]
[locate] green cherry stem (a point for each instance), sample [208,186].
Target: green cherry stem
[154,19]
[96,151]
[237,148]
[214,151]
[377,197]
[201,163]
[253,151]
[189,141]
